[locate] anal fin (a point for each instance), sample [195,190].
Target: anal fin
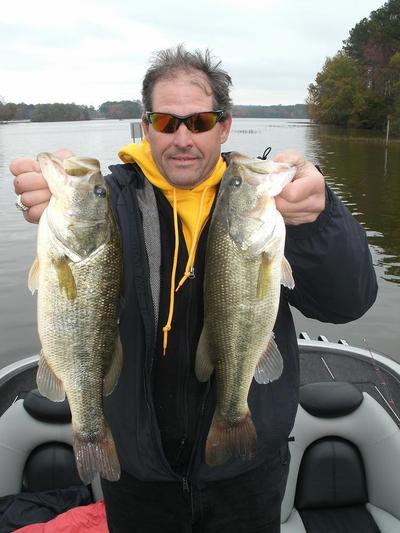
[287,275]
[270,365]
[33,278]
[48,383]
[204,366]
[114,370]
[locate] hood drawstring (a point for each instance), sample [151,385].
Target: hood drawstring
[189,268]
[167,326]
[196,236]
[183,203]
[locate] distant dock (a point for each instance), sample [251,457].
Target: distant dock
[15,121]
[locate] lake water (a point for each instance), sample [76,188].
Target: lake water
[356,166]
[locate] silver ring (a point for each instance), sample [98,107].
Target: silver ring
[20,205]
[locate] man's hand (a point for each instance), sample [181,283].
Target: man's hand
[31,185]
[302,200]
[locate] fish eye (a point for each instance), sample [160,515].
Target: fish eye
[236,181]
[99,191]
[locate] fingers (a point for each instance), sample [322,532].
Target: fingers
[35,212]
[304,185]
[290,156]
[28,181]
[23,165]
[303,199]
[36,201]
[63,153]
[31,185]
[301,212]
[35,197]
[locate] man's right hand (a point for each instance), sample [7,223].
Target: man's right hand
[31,185]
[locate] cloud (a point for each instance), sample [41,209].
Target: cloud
[91,51]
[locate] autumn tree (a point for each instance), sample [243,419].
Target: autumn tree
[336,97]
[360,85]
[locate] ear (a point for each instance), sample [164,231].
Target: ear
[225,128]
[145,126]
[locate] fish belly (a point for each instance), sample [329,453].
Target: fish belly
[78,337]
[239,325]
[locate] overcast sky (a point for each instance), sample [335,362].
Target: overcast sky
[88,52]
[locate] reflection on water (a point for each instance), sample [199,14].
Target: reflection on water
[356,167]
[366,177]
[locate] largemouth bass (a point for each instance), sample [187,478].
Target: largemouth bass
[245,267]
[77,272]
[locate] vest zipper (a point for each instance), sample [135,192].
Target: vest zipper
[188,490]
[185,484]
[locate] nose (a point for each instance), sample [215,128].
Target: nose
[183,137]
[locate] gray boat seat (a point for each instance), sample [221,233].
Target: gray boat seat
[344,475]
[36,447]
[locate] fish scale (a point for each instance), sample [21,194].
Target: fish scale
[78,274]
[245,267]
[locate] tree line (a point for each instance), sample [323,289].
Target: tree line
[126,109]
[62,112]
[360,86]
[270,111]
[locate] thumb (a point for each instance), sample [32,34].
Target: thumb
[63,153]
[290,156]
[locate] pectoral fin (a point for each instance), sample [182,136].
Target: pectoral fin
[264,276]
[48,383]
[204,365]
[33,278]
[287,276]
[66,278]
[270,365]
[114,370]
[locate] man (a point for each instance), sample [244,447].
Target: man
[159,413]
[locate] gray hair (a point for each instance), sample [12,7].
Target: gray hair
[166,63]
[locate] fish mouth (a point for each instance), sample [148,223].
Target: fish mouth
[76,172]
[268,176]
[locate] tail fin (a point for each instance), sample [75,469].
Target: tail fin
[226,440]
[96,455]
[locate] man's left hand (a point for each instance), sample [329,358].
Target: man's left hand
[303,199]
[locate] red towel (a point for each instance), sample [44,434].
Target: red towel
[84,519]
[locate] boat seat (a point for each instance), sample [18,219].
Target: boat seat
[343,475]
[36,447]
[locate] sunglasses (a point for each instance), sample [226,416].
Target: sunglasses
[196,122]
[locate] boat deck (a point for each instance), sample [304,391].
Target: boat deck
[16,381]
[371,373]
[320,360]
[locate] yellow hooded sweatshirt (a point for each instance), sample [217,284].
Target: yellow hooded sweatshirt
[192,205]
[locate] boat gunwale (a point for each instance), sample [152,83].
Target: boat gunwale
[361,354]
[13,369]
[305,345]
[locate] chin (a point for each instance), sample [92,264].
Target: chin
[183,181]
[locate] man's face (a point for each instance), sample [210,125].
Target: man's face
[185,159]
